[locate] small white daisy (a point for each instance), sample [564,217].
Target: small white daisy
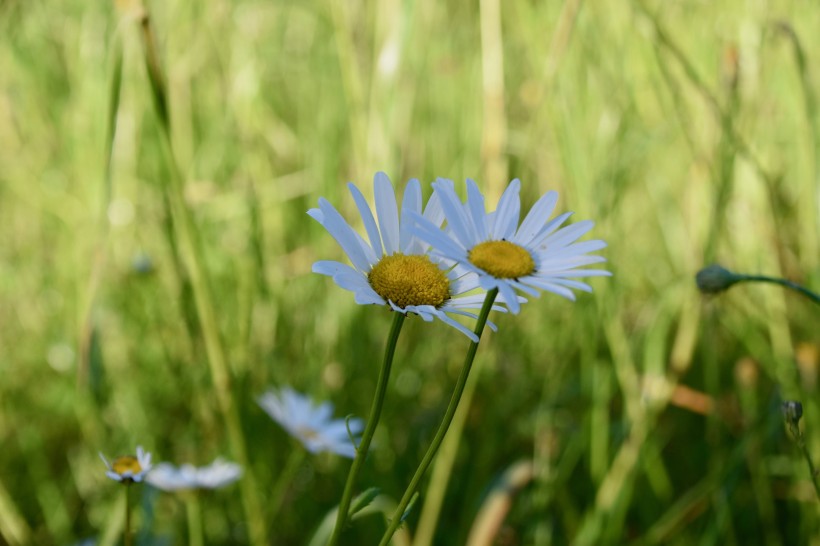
[128,469]
[395,268]
[311,424]
[218,474]
[531,257]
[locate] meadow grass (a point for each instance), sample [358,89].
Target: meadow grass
[643,413]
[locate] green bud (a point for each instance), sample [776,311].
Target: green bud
[714,279]
[792,411]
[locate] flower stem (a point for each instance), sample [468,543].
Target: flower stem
[127,531]
[194,514]
[804,450]
[370,429]
[399,514]
[783,282]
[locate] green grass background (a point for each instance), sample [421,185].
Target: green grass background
[687,130]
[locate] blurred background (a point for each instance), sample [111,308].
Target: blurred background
[644,413]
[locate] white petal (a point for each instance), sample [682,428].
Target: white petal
[388,212]
[524,288]
[317,215]
[457,219]
[457,325]
[583,247]
[368,297]
[475,204]
[411,202]
[506,217]
[340,230]
[536,218]
[580,273]
[367,219]
[545,284]
[431,234]
[551,226]
[433,211]
[578,285]
[558,265]
[464,284]
[331,268]
[568,234]
[509,296]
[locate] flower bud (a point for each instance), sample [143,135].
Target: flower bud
[792,411]
[714,279]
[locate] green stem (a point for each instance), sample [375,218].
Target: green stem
[801,442]
[367,435]
[399,514]
[812,470]
[194,514]
[127,531]
[783,282]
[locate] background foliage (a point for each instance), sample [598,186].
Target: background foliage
[687,130]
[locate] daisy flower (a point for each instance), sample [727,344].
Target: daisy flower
[530,257]
[393,267]
[311,424]
[128,469]
[168,477]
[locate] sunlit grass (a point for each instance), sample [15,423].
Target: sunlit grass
[687,131]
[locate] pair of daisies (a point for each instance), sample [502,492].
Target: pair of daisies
[128,469]
[411,264]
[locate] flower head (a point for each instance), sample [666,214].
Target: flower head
[218,474]
[395,268]
[128,468]
[533,256]
[311,424]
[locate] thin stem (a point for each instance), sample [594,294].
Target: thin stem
[398,515]
[367,435]
[783,282]
[194,514]
[127,531]
[801,442]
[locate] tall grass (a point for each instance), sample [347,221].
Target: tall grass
[649,415]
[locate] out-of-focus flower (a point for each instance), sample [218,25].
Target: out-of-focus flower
[128,468]
[311,424]
[218,474]
[530,257]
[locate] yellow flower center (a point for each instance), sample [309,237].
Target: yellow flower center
[307,433]
[409,280]
[502,259]
[127,463]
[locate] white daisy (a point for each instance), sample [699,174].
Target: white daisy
[218,474]
[394,268]
[128,468]
[531,257]
[311,424]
